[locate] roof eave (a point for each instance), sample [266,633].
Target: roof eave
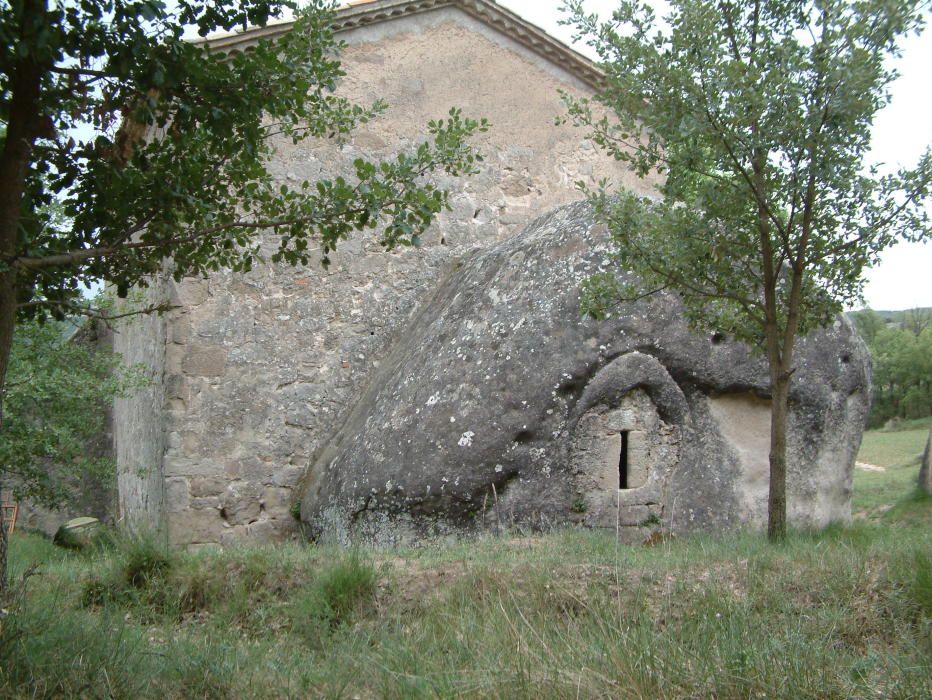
[488,12]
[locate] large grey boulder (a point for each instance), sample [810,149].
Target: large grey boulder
[500,405]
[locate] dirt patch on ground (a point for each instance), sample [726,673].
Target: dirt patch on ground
[867,467]
[411,583]
[872,513]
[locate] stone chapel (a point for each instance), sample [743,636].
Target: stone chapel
[291,394]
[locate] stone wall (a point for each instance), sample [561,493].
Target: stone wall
[138,419]
[630,437]
[259,368]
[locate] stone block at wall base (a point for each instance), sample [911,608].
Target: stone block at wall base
[195,527]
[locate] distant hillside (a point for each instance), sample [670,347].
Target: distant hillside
[895,317]
[898,316]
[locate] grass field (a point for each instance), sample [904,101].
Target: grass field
[895,448]
[898,452]
[846,613]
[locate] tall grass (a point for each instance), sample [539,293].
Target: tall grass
[844,613]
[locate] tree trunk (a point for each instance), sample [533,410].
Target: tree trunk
[23,127]
[776,503]
[21,131]
[3,549]
[7,318]
[7,324]
[7,321]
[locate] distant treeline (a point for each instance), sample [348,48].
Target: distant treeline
[901,347]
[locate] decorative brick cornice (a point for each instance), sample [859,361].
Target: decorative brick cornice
[488,12]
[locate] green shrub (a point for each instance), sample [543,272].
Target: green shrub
[336,597]
[144,560]
[579,505]
[131,570]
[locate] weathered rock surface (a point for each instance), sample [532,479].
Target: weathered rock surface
[501,405]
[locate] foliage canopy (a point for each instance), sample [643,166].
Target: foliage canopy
[175,161]
[58,390]
[901,350]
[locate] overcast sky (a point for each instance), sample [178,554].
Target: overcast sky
[901,133]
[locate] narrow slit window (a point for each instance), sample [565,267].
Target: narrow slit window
[623,461]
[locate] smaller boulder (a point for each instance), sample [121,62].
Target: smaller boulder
[77,533]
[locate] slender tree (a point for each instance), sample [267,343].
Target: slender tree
[916,320]
[757,113]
